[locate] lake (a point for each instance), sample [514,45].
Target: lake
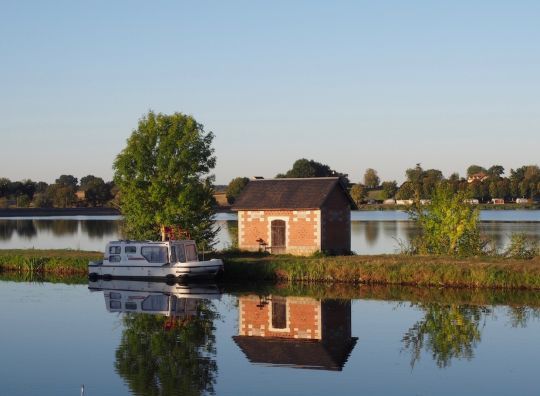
[140,338]
[373,232]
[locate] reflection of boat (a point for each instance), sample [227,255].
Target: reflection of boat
[154,297]
[146,259]
[297,332]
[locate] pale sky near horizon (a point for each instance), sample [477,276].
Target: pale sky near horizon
[354,84]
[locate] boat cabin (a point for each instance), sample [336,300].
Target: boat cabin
[142,253]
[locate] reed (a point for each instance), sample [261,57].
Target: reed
[59,262]
[391,269]
[245,268]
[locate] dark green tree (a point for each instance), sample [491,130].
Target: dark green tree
[154,360]
[390,189]
[447,332]
[371,178]
[471,170]
[235,187]
[67,180]
[496,171]
[310,168]
[97,192]
[448,225]
[358,193]
[163,175]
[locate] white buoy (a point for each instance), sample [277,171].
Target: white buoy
[82,390]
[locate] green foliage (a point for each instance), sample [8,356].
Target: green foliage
[97,192]
[471,170]
[310,168]
[154,360]
[371,178]
[358,193]
[390,189]
[406,191]
[448,225]
[521,247]
[41,200]
[23,201]
[446,331]
[235,187]
[67,180]
[163,177]
[61,195]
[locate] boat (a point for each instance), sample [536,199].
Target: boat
[171,260]
[157,298]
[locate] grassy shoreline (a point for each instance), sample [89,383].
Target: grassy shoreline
[374,270]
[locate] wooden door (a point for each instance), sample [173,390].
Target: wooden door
[279,236]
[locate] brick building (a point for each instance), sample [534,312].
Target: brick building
[295,216]
[299,332]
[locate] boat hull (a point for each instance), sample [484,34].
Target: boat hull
[200,269]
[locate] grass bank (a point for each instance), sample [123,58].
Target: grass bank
[57,262]
[390,269]
[374,270]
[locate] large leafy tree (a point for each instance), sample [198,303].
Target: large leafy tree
[179,361]
[163,177]
[310,168]
[448,225]
[371,178]
[235,187]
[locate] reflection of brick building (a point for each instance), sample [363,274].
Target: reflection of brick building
[298,332]
[296,216]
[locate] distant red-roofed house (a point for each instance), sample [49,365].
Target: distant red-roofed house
[480,176]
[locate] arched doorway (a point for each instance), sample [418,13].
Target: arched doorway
[279,237]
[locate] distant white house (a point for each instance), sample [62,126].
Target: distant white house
[425,201]
[404,201]
[472,201]
[497,201]
[522,201]
[389,201]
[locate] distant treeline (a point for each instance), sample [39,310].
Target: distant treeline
[65,192]
[480,183]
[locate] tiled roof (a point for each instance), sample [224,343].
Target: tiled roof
[309,354]
[308,193]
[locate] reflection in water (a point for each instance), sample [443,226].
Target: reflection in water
[446,332]
[298,332]
[99,229]
[168,343]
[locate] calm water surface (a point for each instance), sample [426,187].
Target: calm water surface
[266,341]
[373,232]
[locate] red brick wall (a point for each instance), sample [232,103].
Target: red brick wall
[303,318]
[302,229]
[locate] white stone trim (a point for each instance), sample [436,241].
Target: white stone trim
[318,235]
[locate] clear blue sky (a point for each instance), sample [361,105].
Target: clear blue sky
[382,84]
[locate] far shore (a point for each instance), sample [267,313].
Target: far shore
[50,212]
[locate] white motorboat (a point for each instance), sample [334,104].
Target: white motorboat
[156,298]
[171,260]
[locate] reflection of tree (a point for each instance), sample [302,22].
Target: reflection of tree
[6,229]
[178,361]
[520,315]
[100,228]
[372,232]
[446,331]
[26,228]
[64,227]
